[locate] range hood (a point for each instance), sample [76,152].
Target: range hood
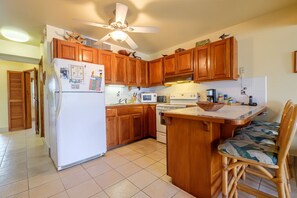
[178,79]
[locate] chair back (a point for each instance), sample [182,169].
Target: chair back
[289,103]
[287,133]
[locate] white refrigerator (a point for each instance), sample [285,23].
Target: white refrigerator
[77,112]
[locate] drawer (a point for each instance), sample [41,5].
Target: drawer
[111,112]
[129,110]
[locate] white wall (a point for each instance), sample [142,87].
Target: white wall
[19,49]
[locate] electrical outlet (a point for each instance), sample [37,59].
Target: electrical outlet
[243,91]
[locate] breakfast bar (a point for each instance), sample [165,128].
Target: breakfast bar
[193,135]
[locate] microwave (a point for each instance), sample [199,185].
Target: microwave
[148,97]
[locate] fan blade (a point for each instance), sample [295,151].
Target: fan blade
[131,43]
[106,37]
[143,29]
[94,24]
[121,12]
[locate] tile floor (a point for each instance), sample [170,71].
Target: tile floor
[136,170]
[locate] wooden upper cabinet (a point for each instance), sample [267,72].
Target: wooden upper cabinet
[141,73]
[169,65]
[120,69]
[224,59]
[202,63]
[106,58]
[132,71]
[87,54]
[184,62]
[156,72]
[65,50]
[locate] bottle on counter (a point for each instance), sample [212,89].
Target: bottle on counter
[220,98]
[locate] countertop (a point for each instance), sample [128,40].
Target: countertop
[234,113]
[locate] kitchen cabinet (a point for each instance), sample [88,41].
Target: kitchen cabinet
[184,62]
[156,72]
[142,73]
[216,61]
[127,123]
[125,130]
[132,71]
[179,63]
[87,54]
[120,69]
[112,137]
[202,63]
[151,121]
[106,58]
[65,50]
[169,65]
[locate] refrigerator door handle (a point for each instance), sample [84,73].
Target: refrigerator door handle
[58,109]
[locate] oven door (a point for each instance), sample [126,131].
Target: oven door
[161,125]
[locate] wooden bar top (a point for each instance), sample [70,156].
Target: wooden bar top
[235,115]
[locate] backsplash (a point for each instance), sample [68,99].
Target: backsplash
[256,87]
[113,93]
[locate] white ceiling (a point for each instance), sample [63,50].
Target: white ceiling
[179,20]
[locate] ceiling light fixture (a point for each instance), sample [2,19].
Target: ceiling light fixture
[118,35]
[15,35]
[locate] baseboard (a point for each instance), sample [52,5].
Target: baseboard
[4,129]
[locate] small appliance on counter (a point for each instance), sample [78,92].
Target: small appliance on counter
[211,95]
[163,99]
[148,97]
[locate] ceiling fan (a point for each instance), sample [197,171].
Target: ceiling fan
[119,27]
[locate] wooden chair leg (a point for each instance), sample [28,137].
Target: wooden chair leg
[225,177]
[287,175]
[235,177]
[281,190]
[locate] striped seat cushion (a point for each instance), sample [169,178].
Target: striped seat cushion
[256,137]
[262,129]
[262,153]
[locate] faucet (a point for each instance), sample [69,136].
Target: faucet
[122,100]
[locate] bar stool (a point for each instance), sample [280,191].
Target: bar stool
[238,153]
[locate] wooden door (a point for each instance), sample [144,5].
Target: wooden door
[28,105]
[169,65]
[125,129]
[184,62]
[106,58]
[137,126]
[156,72]
[120,69]
[112,137]
[36,101]
[87,54]
[220,59]
[142,73]
[41,98]
[16,100]
[65,49]
[202,64]
[131,71]
[152,128]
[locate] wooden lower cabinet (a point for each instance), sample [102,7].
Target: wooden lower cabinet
[127,123]
[112,136]
[124,129]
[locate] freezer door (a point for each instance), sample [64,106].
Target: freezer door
[80,127]
[77,76]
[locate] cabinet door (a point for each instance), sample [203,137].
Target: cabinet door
[137,126]
[112,137]
[142,73]
[151,112]
[106,58]
[131,71]
[169,65]
[65,49]
[220,59]
[120,69]
[184,62]
[156,72]
[125,129]
[87,54]
[202,63]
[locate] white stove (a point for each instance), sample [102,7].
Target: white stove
[177,101]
